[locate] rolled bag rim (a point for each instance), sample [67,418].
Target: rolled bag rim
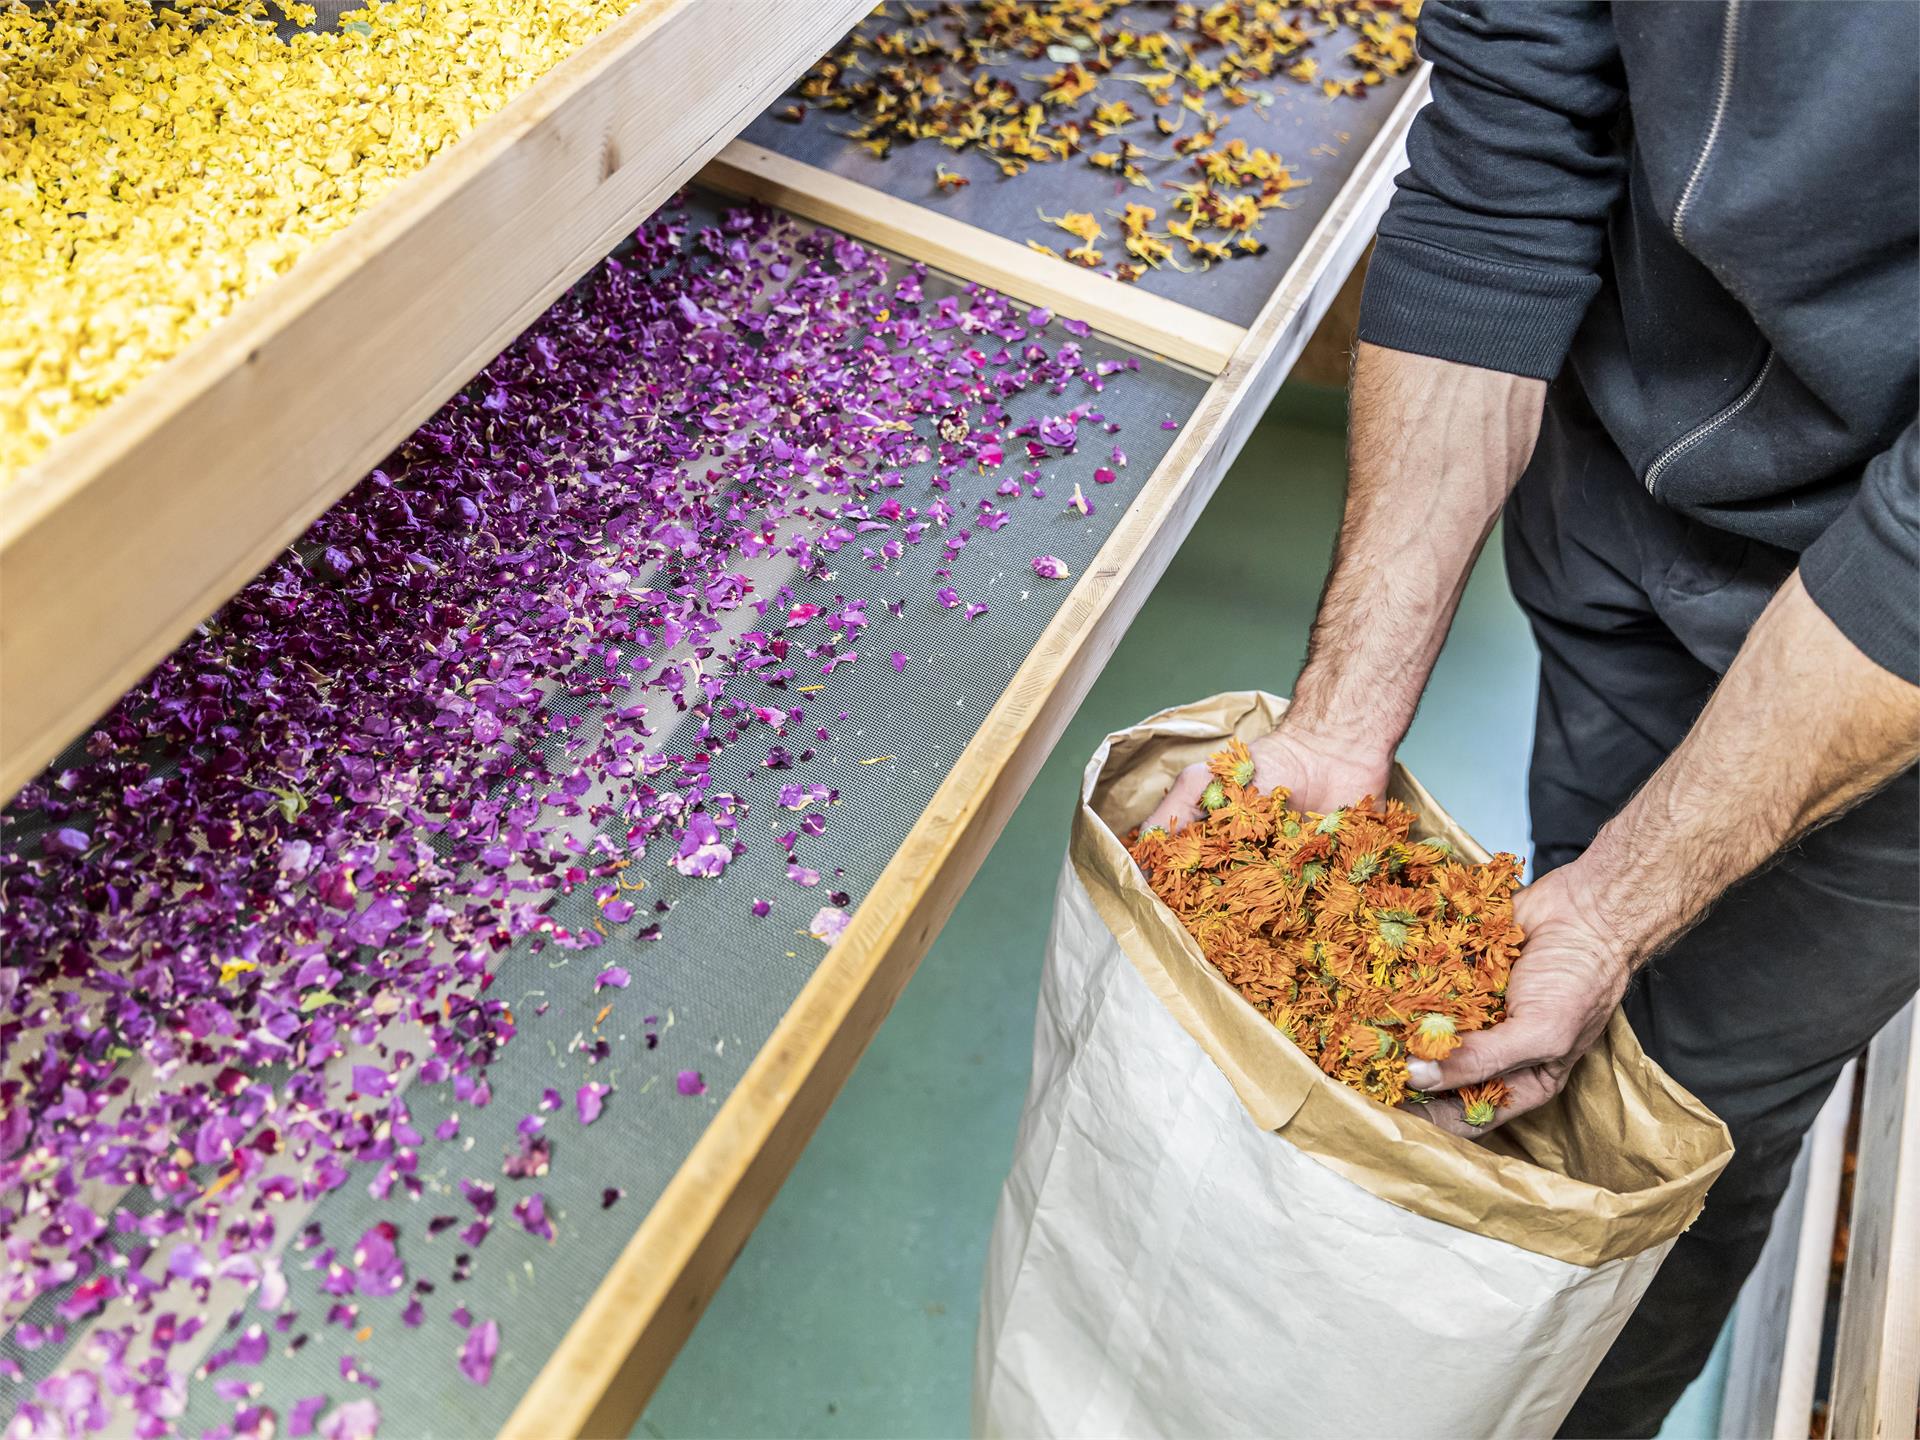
[1486,1188]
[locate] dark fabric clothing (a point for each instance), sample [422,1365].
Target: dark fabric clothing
[1710,213]
[1638,610]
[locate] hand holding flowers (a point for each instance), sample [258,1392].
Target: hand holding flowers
[1320,774]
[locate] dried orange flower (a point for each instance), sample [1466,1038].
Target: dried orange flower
[1360,942]
[1481,1101]
[1035,82]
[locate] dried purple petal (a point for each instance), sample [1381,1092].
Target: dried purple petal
[829,923]
[702,851]
[477,1351]
[589,1099]
[301,1415]
[66,841]
[346,798]
[355,1420]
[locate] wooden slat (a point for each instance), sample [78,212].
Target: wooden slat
[610,1360]
[1774,1356]
[1143,320]
[1876,1363]
[130,532]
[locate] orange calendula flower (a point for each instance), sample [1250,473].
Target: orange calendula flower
[1432,1036]
[1233,765]
[1362,943]
[1480,1102]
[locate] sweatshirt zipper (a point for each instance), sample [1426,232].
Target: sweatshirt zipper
[1723,93]
[1701,431]
[1729,50]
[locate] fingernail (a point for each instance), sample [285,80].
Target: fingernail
[1423,1074]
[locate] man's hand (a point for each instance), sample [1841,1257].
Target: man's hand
[1802,726]
[1565,987]
[1433,451]
[1322,776]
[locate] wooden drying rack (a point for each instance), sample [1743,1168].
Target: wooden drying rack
[128,534]
[599,1379]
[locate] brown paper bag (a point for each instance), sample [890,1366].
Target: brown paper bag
[1203,1234]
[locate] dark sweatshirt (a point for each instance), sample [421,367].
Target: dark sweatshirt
[1711,214]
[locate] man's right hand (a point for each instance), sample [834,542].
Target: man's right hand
[1322,776]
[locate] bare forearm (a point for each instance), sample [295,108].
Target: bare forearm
[1435,449]
[1802,727]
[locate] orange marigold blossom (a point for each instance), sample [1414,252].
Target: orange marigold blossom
[1361,943]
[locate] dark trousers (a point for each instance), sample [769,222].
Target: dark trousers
[1638,611]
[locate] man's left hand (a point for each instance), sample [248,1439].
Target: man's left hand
[1565,986]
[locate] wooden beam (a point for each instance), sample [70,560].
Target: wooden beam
[1136,317]
[1876,1358]
[130,532]
[1774,1356]
[600,1377]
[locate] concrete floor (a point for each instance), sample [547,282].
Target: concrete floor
[851,1311]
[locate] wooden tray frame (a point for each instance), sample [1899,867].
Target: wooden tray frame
[1779,1325]
[128,533]
[599,1379]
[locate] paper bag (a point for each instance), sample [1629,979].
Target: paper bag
[1203,1235]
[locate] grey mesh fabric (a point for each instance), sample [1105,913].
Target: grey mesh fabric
[1322,140]
[716,980]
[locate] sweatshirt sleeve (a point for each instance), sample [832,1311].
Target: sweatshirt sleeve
[1864,570]
[1490,251]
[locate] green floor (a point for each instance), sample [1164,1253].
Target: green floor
[851,1311]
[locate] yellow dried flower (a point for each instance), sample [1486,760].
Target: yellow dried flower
[160,165]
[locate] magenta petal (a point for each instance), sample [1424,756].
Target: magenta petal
[355,1420]
[690,1083]
[829,923]
[588,1101]
[301,1415]
[477,1351]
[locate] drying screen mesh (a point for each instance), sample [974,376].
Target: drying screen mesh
[717,978]
[1321,139]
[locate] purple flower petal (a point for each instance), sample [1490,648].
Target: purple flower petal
[589,1099]
[66,841]
[301,1415]
[355,1420]
[829,923]
[478,1350]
